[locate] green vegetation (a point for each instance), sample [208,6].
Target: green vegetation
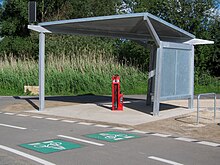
[75,64]
[205,83]
[84,72]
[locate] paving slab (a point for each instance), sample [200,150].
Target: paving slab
[98,108]
[102,113]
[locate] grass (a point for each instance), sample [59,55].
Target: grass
[204,83]
[82,72]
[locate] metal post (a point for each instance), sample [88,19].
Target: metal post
[198,109]
[151,74]
[206,94]
[190,103]
[214,107]
[154,35]
[156,106]
[190,100]
[41,70]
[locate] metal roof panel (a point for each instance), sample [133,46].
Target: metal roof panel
[117,26]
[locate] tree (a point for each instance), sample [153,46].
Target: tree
[92,8]
[194,16]
[214,62]
[131,53]
[14,18]
[48,10]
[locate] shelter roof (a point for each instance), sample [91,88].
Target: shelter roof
[130,26]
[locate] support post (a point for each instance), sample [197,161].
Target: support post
[156,106]
[190,100]
[41,71]
[151,73]
[154,35]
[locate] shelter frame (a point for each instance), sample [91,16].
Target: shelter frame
[140,27]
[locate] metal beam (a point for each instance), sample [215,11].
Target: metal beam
[38,28]
[41,71]
[152,31]
[173,27]
[101,33]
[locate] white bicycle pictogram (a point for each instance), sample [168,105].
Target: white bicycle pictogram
[116,136]
[49,144]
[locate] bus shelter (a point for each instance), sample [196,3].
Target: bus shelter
[171,68]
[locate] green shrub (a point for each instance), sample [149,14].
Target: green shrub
[205,83]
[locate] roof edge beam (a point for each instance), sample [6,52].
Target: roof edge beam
[38,28]
[152,31]
[197,41]
[105,34]
[170,25]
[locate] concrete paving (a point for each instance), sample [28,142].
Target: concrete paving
[134,113]
[98,108]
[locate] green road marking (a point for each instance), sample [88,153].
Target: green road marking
[112,136]
[51,146]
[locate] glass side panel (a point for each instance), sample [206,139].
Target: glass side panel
[168,72]
[175,73]
[183,72]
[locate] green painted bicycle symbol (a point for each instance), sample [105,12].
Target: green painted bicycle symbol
[49,144]
[116,136]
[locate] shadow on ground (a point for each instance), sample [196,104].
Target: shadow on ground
[142,107]
[137,104]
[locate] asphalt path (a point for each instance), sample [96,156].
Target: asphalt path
[146,149]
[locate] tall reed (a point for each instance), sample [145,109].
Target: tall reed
[84,71]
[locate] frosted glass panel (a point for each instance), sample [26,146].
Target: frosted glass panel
[175,72]
[168,72]
[183,72]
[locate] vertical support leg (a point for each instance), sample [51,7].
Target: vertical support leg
[156,106]
[190,103]
[41,71]
[190,100]
[151,74]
